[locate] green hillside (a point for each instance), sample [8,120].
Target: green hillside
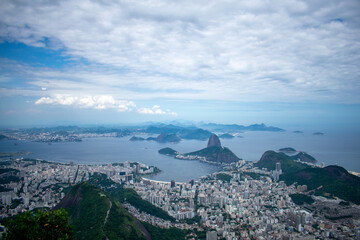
[270,158]
[95,215]
[128,195]
[328,181]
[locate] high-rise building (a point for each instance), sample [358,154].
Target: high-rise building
[172,183]
[278,166]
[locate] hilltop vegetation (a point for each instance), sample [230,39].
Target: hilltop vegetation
[95,215]
[331,181]
[270,158]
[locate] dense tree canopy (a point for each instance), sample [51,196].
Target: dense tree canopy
[49,225]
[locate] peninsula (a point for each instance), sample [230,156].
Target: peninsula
[213,153]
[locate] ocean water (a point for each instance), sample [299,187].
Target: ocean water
[342,148]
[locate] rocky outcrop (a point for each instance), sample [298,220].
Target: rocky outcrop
[214,141]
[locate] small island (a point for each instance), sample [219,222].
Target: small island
[226,136]
[298,131]
[318,134]
[168,151]
[134,139]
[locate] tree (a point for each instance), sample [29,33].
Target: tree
[41,225]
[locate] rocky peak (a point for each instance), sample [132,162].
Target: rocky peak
[214,141]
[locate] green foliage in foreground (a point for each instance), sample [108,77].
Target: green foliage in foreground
[300,199]
[41,225]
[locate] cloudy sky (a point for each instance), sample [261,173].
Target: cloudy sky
[106,62]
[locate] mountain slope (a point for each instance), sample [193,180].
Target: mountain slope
[128,195]
[96,215]
[304,157]
[270,158]
[328,181]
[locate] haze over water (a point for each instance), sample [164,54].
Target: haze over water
[340,148]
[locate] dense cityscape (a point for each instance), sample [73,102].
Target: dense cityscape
[241,202]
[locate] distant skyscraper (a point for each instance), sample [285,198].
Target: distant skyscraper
[278,166]
[172,183]
[277,172]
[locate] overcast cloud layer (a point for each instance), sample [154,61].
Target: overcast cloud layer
[278,51]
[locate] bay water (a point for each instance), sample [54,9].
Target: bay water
[335,147]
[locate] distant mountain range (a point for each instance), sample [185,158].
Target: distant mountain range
[235,127]
[182,132]
[201,131]
[162,138]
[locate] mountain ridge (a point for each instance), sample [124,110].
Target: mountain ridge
[96,215]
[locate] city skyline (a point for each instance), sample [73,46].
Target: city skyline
[291,63]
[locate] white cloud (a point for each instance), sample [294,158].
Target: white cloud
[95,102]
[234,50]
[101,102]
[156,110]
